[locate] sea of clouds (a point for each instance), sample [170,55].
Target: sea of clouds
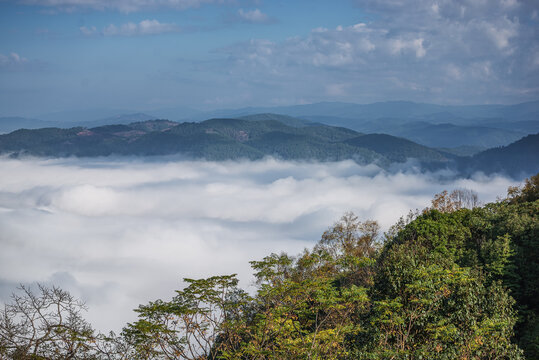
[121,232]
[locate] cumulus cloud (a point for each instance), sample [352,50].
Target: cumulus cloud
[14,62]
[88,31]
[397,46]
[125,6]
[413,46]
[145,27]
[119,233]
[254,16]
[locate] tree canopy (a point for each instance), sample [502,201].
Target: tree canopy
[455,281]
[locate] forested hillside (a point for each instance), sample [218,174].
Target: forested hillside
[521,156]
[454,281]
[217,139]
[262,135]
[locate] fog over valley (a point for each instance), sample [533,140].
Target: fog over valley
[238,179]
[119,232]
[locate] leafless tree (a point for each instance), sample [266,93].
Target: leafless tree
[456,200]
[46,324]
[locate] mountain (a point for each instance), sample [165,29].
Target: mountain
[176,113]
[79,116]
[444,135]
[527,126]
[215,139]
[397,149]
[287,120]
[113,120]
[9,124]
[228,139]
[405,110]
[518,159]
[442,126]
[447,126]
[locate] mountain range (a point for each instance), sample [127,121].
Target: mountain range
[257,136]
[461,130]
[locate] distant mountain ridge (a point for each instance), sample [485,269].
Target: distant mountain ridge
[9,124]
[444,134]
[472,127]
[215,139]
[254,137]
[520,158]
[405,110]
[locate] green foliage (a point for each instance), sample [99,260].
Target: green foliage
[397,149]
[425,308]
[188,326]
[253,137]
[508,237]
[527,193]
[217,139]
[456,281]
[514,159]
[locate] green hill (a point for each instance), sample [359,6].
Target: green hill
[214,139]
[287,120]
[454,281]
[397,149]
[229,139]
[518,158]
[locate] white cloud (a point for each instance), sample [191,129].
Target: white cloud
[398,46]
[14,62]
[119,233]
[408,44]
[502,32]
[254,16]
[13,59]
[454,72]
[125,6]
[145,27]
[92,30]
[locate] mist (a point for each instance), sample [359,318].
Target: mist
[121,232]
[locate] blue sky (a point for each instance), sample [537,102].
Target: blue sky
[139,55]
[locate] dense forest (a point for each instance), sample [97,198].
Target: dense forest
[453,281]
[258,136]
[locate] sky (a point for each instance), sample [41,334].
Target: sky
[139,55]
[120,232]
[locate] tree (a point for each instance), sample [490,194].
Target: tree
[442,287]
[527,193]
[427,308]
[46,324]
[348,250]
[456,200]
[188,326]
[310,306]
[297,316]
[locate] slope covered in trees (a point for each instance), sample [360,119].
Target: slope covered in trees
[455,281]
[255,137]
[214,139]
[518,157]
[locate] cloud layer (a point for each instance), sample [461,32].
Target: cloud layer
[253,16]
[145,27]
[13,62]
[122,232]
[125,6]
[429,51]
